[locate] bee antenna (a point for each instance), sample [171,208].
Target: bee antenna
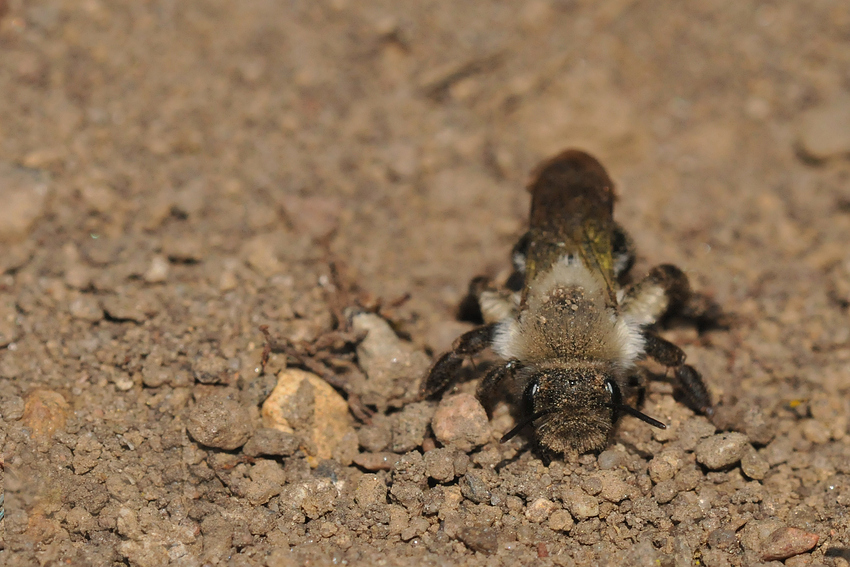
[521,425]
[617,404]
[638,414]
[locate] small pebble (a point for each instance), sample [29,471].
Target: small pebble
[376,461]
[154,372]
[267,480]
[581,505]
[157,272]
[219,421]
[824,131]
[268,441]
[439,464]
[12,408]
[473,487]
[753,464]
[376,436]
[815,431]
[23,193]
[45,413]
[723,538]
[614,488]
[722,450]
[126,308]
[186,249]
[409,426]
[260,254]
[210,369]
[304,402]
[87,308]
[694,429]
[787,542]
[561,521]
[778,451]
[393,368]
[539,510]
[611,459]
[78,276]
[313,215]
[665,491]
[665,465]
[481,539]
[461,421]
[371,492]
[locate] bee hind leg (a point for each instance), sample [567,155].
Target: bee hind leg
[688,380]
[445,370]
[486,304]
[518,258]
[623,252]
[665,288]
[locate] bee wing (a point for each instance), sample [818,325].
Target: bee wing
[596,253]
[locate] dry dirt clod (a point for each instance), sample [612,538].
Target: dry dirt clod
[219,421]
[393,368]
[305,404]
[665,465]
[9,328]
[87,308]
[376,461]
[483,539]
[582,506]
[722,450]
[787,542]
[409,426]
[540,510]
[272,442]
[824,131]
[371,492]
[561,521]
[157,271]
[461,421]
[439,464]
[45,412]
[23,193]
[753,464]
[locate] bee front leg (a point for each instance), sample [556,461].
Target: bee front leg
[494,377]
[688,380]
[445,370]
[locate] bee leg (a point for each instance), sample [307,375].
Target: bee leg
[485,304]
[494,377]
[445,370]
[688,380]
[518,257]
[623,251]
[665,288]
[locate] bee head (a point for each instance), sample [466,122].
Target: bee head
[573,408]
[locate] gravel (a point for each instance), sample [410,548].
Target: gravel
[722,450]
[787,542]
[176,175]
[461,421]
[217,420]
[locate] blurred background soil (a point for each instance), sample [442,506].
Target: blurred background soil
[175,175]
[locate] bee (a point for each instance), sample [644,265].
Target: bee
[569,335]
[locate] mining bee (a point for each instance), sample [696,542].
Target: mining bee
[568,333]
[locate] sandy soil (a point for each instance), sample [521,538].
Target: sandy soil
[175,175]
